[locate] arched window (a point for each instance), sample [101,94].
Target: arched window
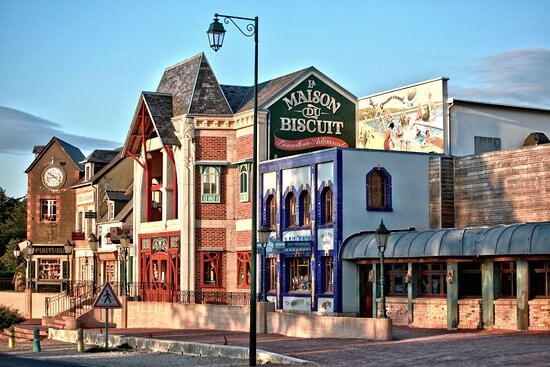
[290,210]
[379,190]
[305,209]
[244,181]
[326,206]
[271,205]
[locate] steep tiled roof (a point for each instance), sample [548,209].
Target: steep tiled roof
[73,152]
[267,90]
[194,88]
[117,196]
[101,156]
[160,109]
[235,95]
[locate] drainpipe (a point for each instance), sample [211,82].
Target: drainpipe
[450,102]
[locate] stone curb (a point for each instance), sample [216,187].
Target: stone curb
[175,347]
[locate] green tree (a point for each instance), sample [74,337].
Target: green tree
[13,221]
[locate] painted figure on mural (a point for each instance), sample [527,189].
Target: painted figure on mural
[388,142]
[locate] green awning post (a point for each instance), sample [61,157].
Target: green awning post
[488,293]
[522,274]
[452,296]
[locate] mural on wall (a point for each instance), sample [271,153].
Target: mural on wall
[406,119]
[309,117]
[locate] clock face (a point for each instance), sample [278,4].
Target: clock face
[53,177]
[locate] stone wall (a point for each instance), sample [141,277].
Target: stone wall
[396,309]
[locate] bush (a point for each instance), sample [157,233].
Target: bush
[9,316]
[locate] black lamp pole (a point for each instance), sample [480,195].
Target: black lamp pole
[216,33]
[382,235]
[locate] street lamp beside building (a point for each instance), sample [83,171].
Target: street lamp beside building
[382,235]
[123,248]
[263,238]
[216,33]
[93,242]
[68,247]
[28,251]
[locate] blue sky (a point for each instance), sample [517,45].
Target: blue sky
[75,69]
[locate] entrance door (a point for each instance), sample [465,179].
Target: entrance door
[365,291]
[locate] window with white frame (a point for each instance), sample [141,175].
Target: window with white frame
[210,184]
[244,174]
[48,210]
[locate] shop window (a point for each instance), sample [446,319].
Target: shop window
[210,184]
[540,279]
[328,274]
[210,265]
[469,281]
[305,209]
[243,269]
[290,210]
[48,210]
[300,274]
[271,205]
[326,206]
[433,279]
[379,190]
[272,274]
[395,279]
[49,269]
[244,173]
[508,279]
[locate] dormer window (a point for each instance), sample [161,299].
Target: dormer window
[111,210]
[88,170]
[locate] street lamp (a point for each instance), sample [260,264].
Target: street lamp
[93,242]
[263,237]
[123,253]
[382,234]
[68,247]
[216,33]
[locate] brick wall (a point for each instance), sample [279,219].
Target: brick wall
[469,313]
[211,148]
[210,237]
[244,147]
[430,312]
[506,315]
[396,309]
[539,314]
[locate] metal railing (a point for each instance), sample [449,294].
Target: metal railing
[77,301]
[166,292]
[81,297]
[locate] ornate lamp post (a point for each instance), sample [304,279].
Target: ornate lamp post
[28,256]
[263,238]
[123,248]
[68,247]
[93,242]
[216,33]
[382,235]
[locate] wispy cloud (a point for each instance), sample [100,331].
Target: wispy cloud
[21,131]
[519,77]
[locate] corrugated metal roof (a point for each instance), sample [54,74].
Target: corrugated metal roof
[502,240]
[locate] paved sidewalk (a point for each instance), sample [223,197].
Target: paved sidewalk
[410,347]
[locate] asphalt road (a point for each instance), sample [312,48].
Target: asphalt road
[9,360]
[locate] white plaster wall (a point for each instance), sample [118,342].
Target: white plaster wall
[511,125]
[410,192]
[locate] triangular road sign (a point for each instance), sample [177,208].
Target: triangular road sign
[107,298]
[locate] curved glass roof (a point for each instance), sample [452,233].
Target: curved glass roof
[502,240]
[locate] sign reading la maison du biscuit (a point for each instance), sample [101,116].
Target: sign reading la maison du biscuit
[309,117]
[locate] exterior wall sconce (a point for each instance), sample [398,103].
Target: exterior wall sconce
[450,276]
[408,277]
[371,276]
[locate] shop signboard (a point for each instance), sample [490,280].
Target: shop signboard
[311,116]
[411,118]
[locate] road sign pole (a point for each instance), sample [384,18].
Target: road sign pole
[106,328]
